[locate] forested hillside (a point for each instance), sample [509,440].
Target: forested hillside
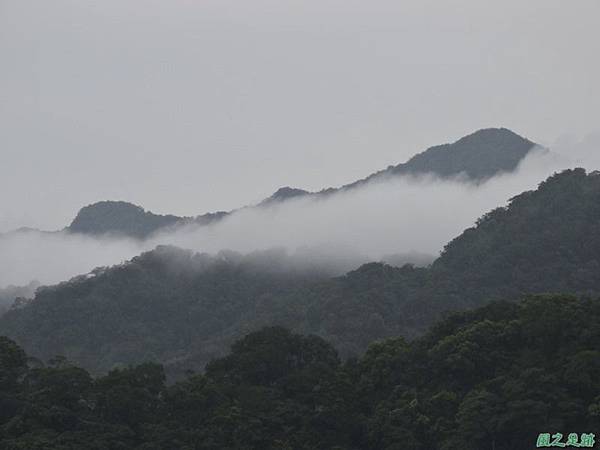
[548,239]
[167,305]
[182,309]
[493,378]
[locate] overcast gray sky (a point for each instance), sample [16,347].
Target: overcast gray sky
[190,106]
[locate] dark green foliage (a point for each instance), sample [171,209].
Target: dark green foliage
[546,240]
[130,396]
[268,356]
[490,378]
[168,305]
[13,363]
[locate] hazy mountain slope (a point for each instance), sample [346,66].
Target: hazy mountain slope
[547,240]
[119,218]
[182,309]
[10,293]
[477,157]
[283,194]
[164,305]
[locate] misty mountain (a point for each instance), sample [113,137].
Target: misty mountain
[283,194]
[164,305]
[476,158]
[119,218]
[417,259]
[547,240]
[183,309]
[552,233]
[9,294]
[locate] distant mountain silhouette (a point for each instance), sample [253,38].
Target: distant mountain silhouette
[476,158]
[283,194]
[119,218]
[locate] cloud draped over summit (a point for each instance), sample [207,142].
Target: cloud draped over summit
[398,215]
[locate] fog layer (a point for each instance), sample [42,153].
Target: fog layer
[401,215]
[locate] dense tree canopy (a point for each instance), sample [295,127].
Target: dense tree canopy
[491,378]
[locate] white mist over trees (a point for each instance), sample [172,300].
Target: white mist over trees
[341,231]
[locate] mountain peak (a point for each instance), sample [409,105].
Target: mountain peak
[118,217]
[494,139]
[285,193]
[479,156]
[491,133]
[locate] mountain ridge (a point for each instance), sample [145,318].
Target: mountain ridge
[473,158]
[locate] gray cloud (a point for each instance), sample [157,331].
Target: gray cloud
[186,107]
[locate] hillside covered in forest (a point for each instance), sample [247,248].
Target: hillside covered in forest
[183,309]
[495,378]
